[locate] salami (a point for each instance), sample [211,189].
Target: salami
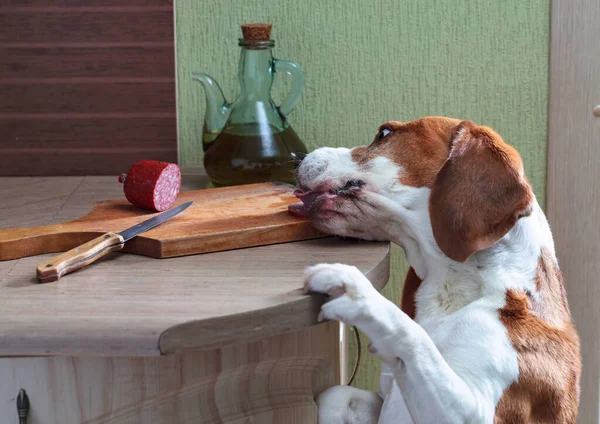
[151,184]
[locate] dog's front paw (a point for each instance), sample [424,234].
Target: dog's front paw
[348,289]
[335,280]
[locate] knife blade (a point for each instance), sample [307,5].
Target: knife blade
[93,250]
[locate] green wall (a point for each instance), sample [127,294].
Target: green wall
[366,62]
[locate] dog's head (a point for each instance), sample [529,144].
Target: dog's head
[463,177]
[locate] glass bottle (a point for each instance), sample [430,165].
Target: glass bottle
[250,139]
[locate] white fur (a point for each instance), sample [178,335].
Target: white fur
[453,362]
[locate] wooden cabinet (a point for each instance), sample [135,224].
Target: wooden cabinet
[270,381]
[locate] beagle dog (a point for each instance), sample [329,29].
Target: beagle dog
[484,333]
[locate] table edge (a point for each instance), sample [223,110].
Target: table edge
[267,322]
[203,334]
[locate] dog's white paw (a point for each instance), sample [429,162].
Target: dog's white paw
[349,291]
[354,301]
[336,280]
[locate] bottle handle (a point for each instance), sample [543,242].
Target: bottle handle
[294,71]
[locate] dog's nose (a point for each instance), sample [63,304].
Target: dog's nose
[354,184]
[351,186]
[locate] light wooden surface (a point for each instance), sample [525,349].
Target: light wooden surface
[573,175]
[272,381]
[133,305]
[219,219]
[241,339]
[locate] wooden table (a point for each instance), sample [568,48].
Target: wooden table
[222,337]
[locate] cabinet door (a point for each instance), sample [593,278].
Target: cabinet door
[574,175]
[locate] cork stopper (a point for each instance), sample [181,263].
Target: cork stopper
[256,32]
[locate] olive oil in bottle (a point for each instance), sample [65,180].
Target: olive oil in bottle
[250,140]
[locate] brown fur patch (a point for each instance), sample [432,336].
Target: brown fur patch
[478,190]
[547,346]
[420,147]
[412,282]
[550,302]
[479,193]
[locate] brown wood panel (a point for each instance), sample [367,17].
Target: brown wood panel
[64,62]
[126,131]
[69,26]
[86,87]
[83,3]
[79,161]
[87,98]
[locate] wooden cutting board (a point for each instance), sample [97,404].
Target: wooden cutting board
[220,219]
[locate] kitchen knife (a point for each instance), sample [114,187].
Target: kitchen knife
[89,252]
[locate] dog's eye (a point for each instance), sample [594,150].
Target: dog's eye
[383,134]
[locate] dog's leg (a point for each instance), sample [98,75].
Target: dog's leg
[348,405]
[435,393]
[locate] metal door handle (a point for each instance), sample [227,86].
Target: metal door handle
[597,111]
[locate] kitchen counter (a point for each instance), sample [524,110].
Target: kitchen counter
[198,338]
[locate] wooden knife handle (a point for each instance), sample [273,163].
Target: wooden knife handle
[79,257]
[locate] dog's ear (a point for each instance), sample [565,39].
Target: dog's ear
[479,193]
